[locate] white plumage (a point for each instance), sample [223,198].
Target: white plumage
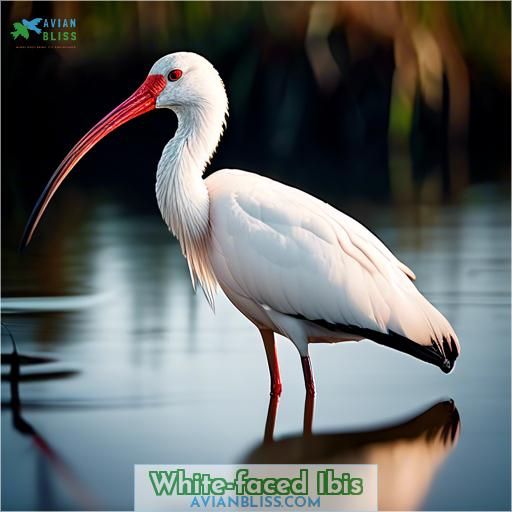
[291,263]
[284,252]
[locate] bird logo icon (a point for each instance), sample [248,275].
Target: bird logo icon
[22,29]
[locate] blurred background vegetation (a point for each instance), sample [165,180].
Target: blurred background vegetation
[400,102]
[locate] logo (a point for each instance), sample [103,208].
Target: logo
[45,33]
[23,29]
[235,488]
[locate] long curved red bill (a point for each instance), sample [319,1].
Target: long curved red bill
[141,101]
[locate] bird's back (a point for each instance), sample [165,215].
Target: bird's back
[291,252]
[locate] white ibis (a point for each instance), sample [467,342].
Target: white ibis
[292,264]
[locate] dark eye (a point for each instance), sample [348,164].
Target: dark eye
[175,74]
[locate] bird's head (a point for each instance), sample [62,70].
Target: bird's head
[184,82]
[191,83]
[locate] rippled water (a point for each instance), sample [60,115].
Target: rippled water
[142,371]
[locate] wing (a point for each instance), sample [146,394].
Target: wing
[299,256]
[36,21]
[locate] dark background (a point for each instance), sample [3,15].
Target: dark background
[349,101]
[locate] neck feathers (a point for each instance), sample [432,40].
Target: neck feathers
[181,192]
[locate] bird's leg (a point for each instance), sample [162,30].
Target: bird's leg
[273,365]
[309,409]
[309,381]
[309,403]
[271,419]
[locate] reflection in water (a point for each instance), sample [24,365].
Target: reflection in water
[48,456]
[408,453]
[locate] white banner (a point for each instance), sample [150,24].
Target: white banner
[257,487]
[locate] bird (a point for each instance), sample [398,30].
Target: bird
[21,30]
[32,25]
[292,264]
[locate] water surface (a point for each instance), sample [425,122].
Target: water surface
[142,371]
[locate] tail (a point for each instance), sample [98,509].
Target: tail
[409,324]
[15,34]
[36,30]
[443,336]
[433,338]
[437,345]
[417,328]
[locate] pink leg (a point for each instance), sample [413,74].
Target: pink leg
[309,381]
[271,419]
[273,365]
[309,409]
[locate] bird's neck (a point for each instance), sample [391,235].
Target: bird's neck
[181,191]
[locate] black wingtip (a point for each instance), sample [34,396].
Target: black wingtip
[447,366]
[451,353]
[428,353]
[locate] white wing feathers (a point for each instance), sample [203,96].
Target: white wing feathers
[297,255]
